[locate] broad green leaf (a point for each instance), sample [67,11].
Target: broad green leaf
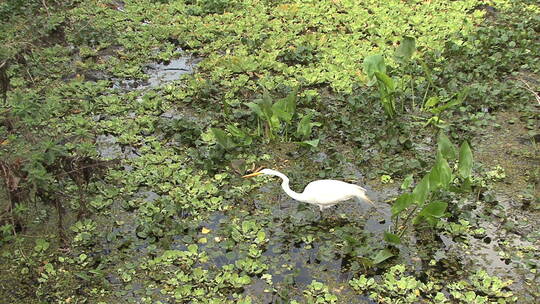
[407,182]
[465,160]
[223,139]
[421,190]
[445,147]
[274,122]
[266,98]
[382,256]
[239,133]
[466,185]
[372,64]
[435,120]
[386,90]
[49,268]
[311,143]
[460,97]
[447,105]
[41,245]
[434,209]
[235,131]
[389,107]
[387,81]
[193,248]
[441,174]
[266,106]
[285,108]
[247,226]
[83,276]
[431,102]
[305,126]
[236,235]
[256,108]
[402,203]
[392,238]
[261,235]
[421,217]
[406,49]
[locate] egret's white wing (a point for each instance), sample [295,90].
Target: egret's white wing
[329,192]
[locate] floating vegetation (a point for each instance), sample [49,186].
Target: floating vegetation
[125,128]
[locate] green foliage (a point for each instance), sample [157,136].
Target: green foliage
[249,231]
[223,139]
[373,64]
[375,68]
[300,54]
[407,182]
[392,238]
[274,114]
[461,228]
[385,254]
[438,107]
[396,286]
[235,137]
[183,280]
[204,7]
[405,50]
[319,293]
[445,147]
[41,245]
[423,197]
[305,128]
[251,266]
[278,116]
[84,233]
[482,288]
[465,160]
[387,90]
[66,62]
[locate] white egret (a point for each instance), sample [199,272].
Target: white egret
[324,193]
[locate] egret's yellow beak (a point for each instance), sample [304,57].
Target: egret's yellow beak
[252,174]
[370,201]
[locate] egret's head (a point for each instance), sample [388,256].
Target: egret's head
[262,172]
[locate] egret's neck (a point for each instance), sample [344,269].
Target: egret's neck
[285,185]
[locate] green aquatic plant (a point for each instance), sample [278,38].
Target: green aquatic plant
[437,107]
[460,228]
[248,231]
[422,202]
[184,279]
[319,293]
[276,119]
[85,232]
[482,288]
[251,266]
[233,137]
[61,59]
[223,139]
[375,68]
[274,114]
[405,50]
[395,286]
[305,129]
